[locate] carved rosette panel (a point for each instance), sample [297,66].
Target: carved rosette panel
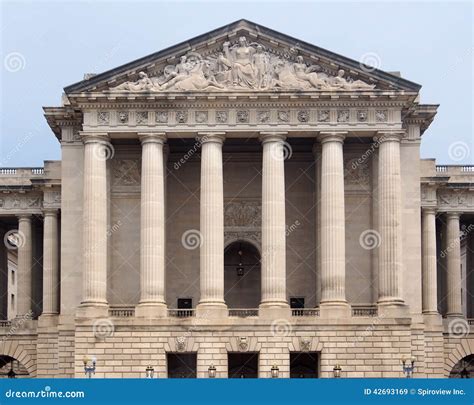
[125,173]
[242,221]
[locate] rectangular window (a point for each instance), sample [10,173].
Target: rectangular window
[243,365]
[304,364]
[181,365]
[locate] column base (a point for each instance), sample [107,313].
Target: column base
[393,310]
[455,315]
[46,320]
[151,310]
[274,310]
[335,310]
[212,310]
[92,310]
[432,318]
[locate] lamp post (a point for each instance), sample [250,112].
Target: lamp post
[337,371]
[465,372]
[211,371]
[275,371]
[408,366]
[149,371]
[89,366]
[11,373]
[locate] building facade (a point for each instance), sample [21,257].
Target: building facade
[241,201]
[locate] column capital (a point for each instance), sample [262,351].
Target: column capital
[389,136]
[453,214]
[272,136]
[211,137]
[428,210]
[152,137]
[94,137]
[324,137]
[24,217]
[50,211]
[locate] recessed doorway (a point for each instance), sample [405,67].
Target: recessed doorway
[304,365]
[243,365]
[181,365]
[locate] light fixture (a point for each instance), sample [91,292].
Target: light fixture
[211,371]
[275,371]
[89,365]
[465,372]
[337,371]
[240,267]
[408,366]
[149,372]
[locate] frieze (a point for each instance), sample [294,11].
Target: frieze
[454,199]
[21,202]
[243,66]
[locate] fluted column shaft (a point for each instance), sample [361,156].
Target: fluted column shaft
[333,253]
[273,221]
[212,221]
[390,220]
[152,223]
[96,153]
[429,281]
[25,264]
[453,257]
[50,264]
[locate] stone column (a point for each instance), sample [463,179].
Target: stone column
[273,224]
[453,258]
[333,253]
[4,293]
[25,264]
[97,150]
[152,228]
[50,263]
[429,281]
[211,303]
[390,224]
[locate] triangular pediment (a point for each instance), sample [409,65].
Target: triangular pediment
[242,57]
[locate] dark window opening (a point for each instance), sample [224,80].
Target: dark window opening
[297,302]
[181,365]
[243,365]
[304,365]
[185,303]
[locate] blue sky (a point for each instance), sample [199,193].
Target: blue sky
[56,42]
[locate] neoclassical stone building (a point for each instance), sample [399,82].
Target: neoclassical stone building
[240,201]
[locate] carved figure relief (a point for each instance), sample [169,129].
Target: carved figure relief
[243,213]
[243,66]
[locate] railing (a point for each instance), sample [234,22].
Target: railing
[455,168]
[360,311]
[305,312]
[122,312]
[470,321]
[8,171]
[5,324]
[181,313]
[243,313]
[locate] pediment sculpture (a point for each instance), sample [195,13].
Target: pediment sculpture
[241,67]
